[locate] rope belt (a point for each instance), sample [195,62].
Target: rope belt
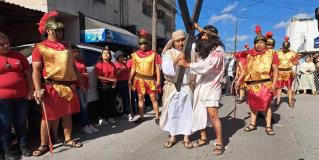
[285,69]
[66,83]
[144,76]
[257,82]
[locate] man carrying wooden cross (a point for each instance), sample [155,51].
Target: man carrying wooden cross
[209,69]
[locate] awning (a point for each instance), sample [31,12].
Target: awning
[316,42]
[96,31]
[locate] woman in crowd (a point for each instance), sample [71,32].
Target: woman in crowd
[87,127]
[15,88]
[122,75]
[106,76]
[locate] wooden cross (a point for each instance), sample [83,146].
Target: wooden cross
[189,26]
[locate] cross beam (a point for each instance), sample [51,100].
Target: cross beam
[189,26]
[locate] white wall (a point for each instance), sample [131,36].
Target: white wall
[302,34]
[40,5]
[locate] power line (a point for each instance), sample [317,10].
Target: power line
[236,10]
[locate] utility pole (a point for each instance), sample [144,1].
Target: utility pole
[235,40]
[154,25]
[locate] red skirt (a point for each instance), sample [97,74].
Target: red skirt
[259,101]
[285,83]
[57,107]
[143,86]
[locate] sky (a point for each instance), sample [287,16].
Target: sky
[271,15]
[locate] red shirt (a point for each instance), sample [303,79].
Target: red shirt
[82,69]
[13,80]
[122,71]
[36,54]
[105,69]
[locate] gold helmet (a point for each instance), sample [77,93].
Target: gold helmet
[259,36]
[48,22]
[270,40]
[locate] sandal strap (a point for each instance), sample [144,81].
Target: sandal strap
[252,125]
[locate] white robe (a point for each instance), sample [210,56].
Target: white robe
[176,115]
[208,89]
[307,76]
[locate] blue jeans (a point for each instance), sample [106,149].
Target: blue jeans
[83,107]
[13,112]
[122,87]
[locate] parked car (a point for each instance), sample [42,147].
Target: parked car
[91,55]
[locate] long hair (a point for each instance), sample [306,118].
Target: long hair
[74,48]
[203,48]
[108,51]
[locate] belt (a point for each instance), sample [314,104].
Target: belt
[285,69]
[144,76]
[51,81]
[257,82]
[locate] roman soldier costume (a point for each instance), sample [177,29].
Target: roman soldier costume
[58,72]
[258,66]
[287,59]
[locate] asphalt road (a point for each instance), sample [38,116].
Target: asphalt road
[297,133]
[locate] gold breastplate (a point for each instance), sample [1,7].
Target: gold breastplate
[58,64]
[144,65]
[259,66]
[285,59]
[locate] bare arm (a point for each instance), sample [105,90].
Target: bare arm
[275,76]
[28,75]
[158,75]
[132,73]
[36,77]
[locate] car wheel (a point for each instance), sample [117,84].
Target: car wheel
[118,104]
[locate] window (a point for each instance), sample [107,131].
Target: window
[147,7]
[168,23]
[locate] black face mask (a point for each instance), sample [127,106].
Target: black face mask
[55,33]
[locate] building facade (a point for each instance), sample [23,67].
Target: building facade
[117,17]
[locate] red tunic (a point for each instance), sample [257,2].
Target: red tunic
[105,69]
[13,80]
[148,86]
[82,69]
[122,71]
[258,67]
[56,106]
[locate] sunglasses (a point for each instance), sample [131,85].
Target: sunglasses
[144,43]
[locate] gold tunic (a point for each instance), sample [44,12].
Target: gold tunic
[259,68]
[144,65]
[59,67]
[285,65]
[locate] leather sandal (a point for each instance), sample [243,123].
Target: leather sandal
[291,103]
[188,144]
[218,149]
[169,144]
[72,143]
[269,131]
[251,127]
[200,142]
[41,150]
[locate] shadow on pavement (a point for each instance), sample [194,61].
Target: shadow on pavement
[230,126]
